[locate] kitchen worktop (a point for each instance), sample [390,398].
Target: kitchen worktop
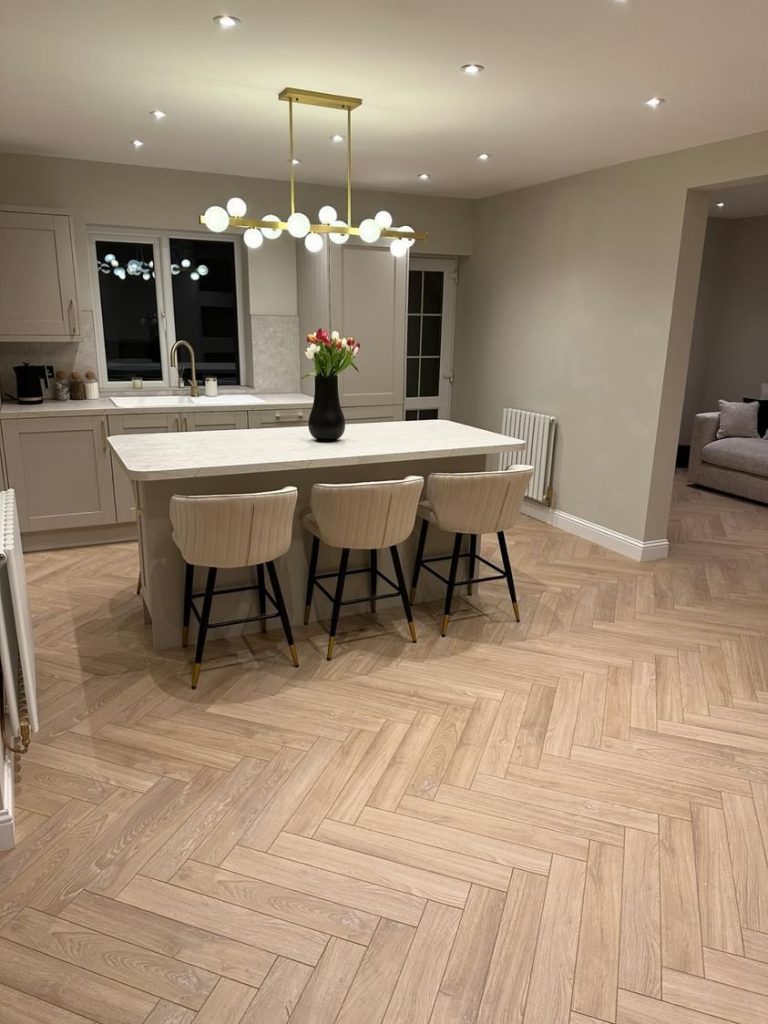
[230,452]
[103,405]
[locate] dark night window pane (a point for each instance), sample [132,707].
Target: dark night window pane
[205,306]
[428,414]
[414,291]
[411,414]
[129,310]
[414,327]
[412,378]
[431,329]
[430,377]
[433,291]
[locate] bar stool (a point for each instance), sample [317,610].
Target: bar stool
[365,517]
[233,531]
[474,504]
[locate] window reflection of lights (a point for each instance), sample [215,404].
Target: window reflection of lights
[145,269]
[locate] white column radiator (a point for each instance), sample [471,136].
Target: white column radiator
[18,707]
[538,431]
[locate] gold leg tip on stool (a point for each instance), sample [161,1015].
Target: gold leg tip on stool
[331,645]
[516,611]
[412,628]
[294,655]
[307,613]
[195,675]
[444,625]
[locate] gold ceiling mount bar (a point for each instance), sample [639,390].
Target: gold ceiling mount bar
[320,99]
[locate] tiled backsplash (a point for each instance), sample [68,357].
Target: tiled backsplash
[276,353]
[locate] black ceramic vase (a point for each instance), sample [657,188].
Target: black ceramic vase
[326,421]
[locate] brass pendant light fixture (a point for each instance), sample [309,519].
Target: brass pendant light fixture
[298,224]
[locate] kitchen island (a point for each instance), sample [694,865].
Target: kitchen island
[245,461]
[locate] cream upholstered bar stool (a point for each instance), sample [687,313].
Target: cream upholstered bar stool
[471,504]
[361,517]
[233,531]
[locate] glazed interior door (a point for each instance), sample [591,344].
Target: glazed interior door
[429,344]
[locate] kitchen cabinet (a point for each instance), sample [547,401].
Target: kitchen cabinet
[220,419]
[136,423]
[61,471]
[279,417]
[38,297]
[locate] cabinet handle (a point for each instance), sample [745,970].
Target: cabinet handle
[71,318]
[186,425]
[104,435]
[291,416]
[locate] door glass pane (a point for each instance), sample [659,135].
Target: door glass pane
[128,294]
[412,378]
[433,291]
[427,414]
[414,329]
[414,291]
[431,330]
[205,305]
[411,414]
[430,378]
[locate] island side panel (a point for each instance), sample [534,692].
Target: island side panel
[163,569]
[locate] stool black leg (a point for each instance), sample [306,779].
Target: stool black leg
[311,579]
[262,596]
[403,592]
[202,632]
[472,560]
[189,575]
[508,573]
[419,556]
[278,595]
[374,577]
[337,601]
[451,582]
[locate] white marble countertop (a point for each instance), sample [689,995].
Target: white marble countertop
[230,452]
[100,406]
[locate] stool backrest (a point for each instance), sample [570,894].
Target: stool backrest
[367,515]
[229,531]
[478,502]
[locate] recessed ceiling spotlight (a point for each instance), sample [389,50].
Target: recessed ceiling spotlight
[472,69]
[295,161]
[655,102]
[424,176]
[483,156]
[337,138]
[158,115]
[226,20]
[720,205]
[137,143]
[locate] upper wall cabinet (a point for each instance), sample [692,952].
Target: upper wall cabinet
[38,298]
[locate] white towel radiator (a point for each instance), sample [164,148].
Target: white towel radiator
[18,707]
[538,430]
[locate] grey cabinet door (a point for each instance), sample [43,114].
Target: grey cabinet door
[136,423]
[60,468]
[37,276]
[221,419]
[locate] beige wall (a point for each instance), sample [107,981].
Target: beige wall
[578,301]
[729,351]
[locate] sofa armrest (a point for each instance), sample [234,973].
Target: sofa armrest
[705,426]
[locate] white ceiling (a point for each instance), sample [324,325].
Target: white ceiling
[563,92]
[740,201]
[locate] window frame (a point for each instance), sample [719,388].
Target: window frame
[161,240]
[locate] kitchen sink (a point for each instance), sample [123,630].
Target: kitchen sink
[184,401]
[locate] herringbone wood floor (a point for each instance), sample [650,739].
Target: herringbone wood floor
[559,822]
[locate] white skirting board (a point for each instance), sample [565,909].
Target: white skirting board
[630,547]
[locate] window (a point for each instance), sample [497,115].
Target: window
[153,290]
[425,316]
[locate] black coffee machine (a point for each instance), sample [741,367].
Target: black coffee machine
[30,381]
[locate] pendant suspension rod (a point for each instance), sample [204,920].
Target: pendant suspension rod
[349,167]
[293,166]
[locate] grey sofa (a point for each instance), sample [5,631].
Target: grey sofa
[736,465]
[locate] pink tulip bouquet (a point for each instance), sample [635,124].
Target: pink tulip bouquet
[331,353]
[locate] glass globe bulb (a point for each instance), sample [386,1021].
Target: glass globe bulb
[114,262]
[271,233]
[327,215]
[398,246]
[216,219]
[175,269]
[313,242]
[202,270]
[298,225]
[119,272]
[186,263]
[384,219]
[236,207]
[109,257]
[133,267]
[408,241]
[253,238]
[194,276]
[336,238]
[370,230]
[104,268]
[146,276]
[151,264]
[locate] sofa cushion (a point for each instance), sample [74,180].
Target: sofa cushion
[747,454]
[737,419]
